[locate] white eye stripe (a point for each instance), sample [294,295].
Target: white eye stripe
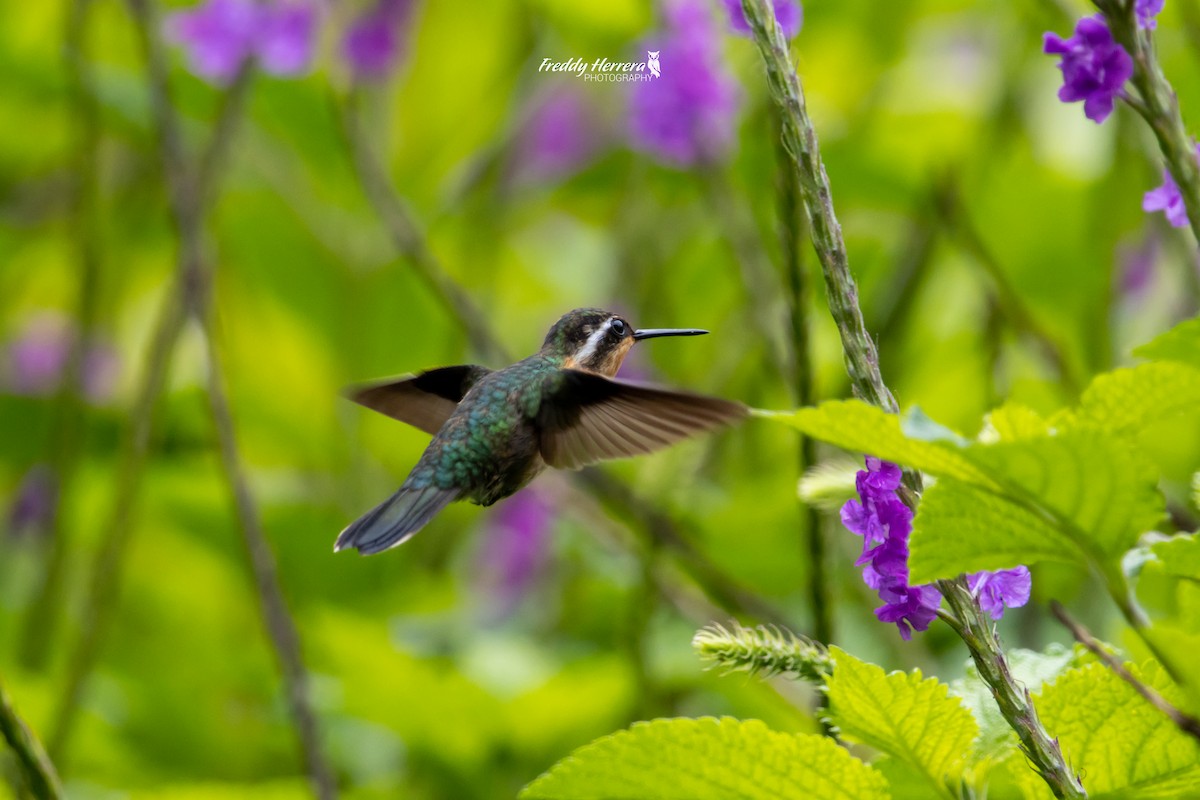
[589,347]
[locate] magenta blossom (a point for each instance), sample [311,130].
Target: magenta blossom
[374,43]
[516,549]
[1168,199]
[1093,65]
[33,362]
[218,36]
[559,136]
[688,114]
[884,522]
[788,13]
[1146,11]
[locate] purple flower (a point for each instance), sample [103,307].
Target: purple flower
[688,114]
[516,549]
[219,35]
[788,13]
[1093,65]
[37,357]
[885,522]
[558,137]
[1137,264]
[287,38]
[1146,11]
[1168,199]
[1006,587]
[34,501]
[374,42]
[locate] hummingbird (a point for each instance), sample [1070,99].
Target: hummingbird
[495,430]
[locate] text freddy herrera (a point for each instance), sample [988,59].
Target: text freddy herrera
[599,65]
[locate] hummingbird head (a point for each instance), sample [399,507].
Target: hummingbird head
[595,340]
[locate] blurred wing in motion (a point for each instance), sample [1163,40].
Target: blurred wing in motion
[425,400]
[591,418]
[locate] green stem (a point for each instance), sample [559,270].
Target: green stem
[793,231]
[39,771]
[862,363]
[70,411]
[1159,106]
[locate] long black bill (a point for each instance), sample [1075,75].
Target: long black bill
[651,333]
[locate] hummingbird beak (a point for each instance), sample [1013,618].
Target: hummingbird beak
[652,333]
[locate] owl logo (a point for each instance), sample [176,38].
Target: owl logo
[652,62]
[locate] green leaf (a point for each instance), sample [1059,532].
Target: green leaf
[708,759]
[1119,743]
[913,719]
[1127,400]
[858,427]
[1012,422]
[1181,343]
[1180,556]
[962,528]
[1086,477]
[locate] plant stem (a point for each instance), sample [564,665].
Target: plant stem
[1185,722]
[1159,106]
[862,363]
[793,232]
[70,410]
[39,771]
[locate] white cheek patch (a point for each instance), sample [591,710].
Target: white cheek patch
[589,348]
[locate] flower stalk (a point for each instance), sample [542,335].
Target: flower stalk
[862,364]
[41,779]
[763,651]
[1157,104]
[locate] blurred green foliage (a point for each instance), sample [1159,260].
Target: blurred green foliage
[422,692]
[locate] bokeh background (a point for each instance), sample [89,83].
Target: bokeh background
[996,233]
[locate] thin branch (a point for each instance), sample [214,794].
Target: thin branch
[40,775]
[278,622]
[793,234]
[1185,722]
[70,412]
[862,363]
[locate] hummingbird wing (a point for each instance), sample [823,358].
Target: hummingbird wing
[589,418]
[425,400]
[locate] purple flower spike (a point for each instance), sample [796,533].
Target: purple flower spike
[1093,65]
[1168,199]
[1003,588]
[688,114]
[33,362]
[374,43]
[1146,11]
[788,13]
[885,522]
[287,39]
[217,36]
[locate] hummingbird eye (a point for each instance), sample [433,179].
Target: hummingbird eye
[617,326]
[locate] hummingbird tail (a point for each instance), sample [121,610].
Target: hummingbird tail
[395,520]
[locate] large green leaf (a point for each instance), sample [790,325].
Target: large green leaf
[708,759]
[961,528]
[858,427]
[910,718]
[1127,400]
[1118,743]
[1099,490]
[1181,343]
